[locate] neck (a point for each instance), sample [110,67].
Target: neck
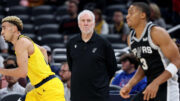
[86,37]
[69,83]
[130,70]
[140,28]
[15,38]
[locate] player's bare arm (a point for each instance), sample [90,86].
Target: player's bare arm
[162,39]
[23,47]
[139,75]
[44,52]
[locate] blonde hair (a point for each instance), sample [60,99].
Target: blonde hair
[15,21]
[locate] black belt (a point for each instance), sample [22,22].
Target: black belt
[44,81]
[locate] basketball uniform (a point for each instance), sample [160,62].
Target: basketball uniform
[47,86]
[153,62]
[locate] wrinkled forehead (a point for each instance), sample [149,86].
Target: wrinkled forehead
[86,16]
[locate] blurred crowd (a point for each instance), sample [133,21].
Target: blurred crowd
[51,23]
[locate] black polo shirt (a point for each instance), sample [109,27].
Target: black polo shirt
[92,65]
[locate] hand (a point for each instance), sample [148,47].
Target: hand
[150,91]
[124,92]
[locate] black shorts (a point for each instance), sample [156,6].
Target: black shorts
[160,96]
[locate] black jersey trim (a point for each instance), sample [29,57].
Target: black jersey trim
[142,35]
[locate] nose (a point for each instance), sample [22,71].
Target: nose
[2,32]
[127,16]
[85,23]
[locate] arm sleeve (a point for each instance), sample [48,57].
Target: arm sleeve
[110,60]
[69,59]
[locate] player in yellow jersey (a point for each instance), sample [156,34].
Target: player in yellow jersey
[32,61]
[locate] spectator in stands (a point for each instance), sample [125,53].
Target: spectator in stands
[1,62]
[48,49]
[69,25]
[65,75]
[3,45]
[13,85]
[54,2]
[176,11]
[101,4]
[129,65]
[12,60]
[31,3]
[156,15]
[119,26]
[1,66]
[101,25]
[91,61]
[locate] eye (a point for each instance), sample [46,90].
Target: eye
[88,20]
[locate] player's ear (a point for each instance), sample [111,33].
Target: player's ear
[143,15]
[15,28]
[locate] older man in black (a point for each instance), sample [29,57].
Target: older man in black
[91,60]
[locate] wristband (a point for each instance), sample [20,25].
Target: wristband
[172,69]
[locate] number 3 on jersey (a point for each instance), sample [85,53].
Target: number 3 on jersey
[144,64]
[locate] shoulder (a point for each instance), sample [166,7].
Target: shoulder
[3,90]
[105,23]
[73,39]
[18,86]
[120,74]
[102,40]
[23,44]
[159,35]
[23,41]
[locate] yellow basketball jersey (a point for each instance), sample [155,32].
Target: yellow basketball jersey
[38,68]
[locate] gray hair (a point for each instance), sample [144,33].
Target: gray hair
[88,12]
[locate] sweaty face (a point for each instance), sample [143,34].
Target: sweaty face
[133,17]
[7,31]
[86,23]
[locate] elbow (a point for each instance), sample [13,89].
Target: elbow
[23,74]
[177,64]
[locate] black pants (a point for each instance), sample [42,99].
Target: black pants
[160,96]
